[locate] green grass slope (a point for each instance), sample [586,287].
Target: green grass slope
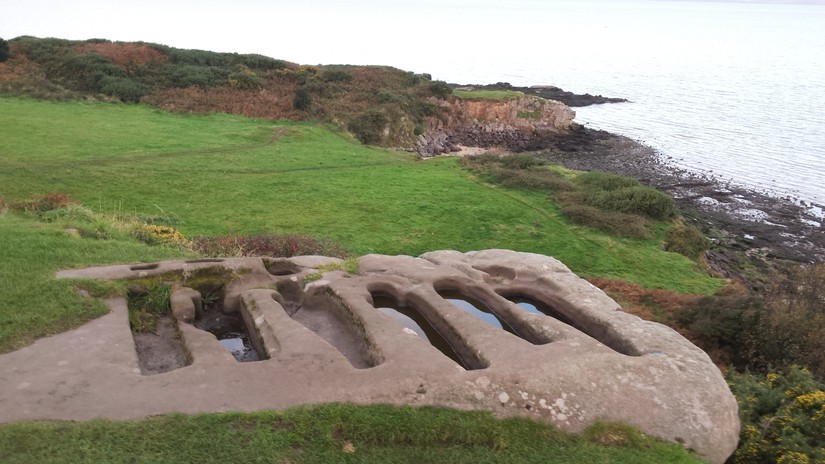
[329,434]
[221,174]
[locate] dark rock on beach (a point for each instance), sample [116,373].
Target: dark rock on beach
[752,233]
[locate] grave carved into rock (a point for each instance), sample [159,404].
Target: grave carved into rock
[514,333]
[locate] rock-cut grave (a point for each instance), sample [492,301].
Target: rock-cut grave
[514,333]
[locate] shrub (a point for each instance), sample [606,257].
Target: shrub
[793,326]
[644,201]
[439,89]
[4,50]
[302,99]
[388,97]
[611,222]
[477,162]
[782,417]
[521,161]
[196,75]
[276,246]
[125,89]
[336,75]
[723,325]
[86,71]
[411,79]
[538,179]
[785,326]
[159,235]
[369,127]
[604,181]
[243,77]
[686,240]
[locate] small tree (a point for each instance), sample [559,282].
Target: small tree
[302,99]
[4,50]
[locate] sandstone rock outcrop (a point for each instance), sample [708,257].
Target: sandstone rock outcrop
[447,328]
[517,124]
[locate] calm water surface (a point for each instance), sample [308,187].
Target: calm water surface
[729,88]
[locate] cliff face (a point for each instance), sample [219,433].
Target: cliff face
[525,114]
[517,124]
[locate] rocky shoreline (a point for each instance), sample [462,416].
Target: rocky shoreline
[752,233]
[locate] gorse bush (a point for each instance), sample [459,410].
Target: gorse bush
[336,75]
[193,75]
[440,89]
[613,204]
[597,180]
[368,127]
[686,240]
[302,99]
[538,179]
[724,325]
[611,222]
[521,161]
[784,326]
[243,77]
[643,201]
[4,50]
[782,417]
[159,235]
[125,89]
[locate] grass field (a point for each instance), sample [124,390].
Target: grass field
[220,174]
[329,434]
[488,94]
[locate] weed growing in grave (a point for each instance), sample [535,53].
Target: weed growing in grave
[145,307]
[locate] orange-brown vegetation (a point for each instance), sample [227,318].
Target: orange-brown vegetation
[649,304]
[269,102]
[781,326]
[124,54]
[670,308]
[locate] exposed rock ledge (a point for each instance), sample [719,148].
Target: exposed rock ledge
[582,360]
[517,124]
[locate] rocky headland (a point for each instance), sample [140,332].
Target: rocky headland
[550,92]
[753,234]
[518,124]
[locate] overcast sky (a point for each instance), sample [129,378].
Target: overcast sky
[414,35]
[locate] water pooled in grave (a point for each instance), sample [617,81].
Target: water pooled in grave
[409,317]
[475,308]
[534,306]
[231,332]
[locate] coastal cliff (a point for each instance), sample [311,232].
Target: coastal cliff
[518,123]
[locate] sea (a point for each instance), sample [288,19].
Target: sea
[734,90]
